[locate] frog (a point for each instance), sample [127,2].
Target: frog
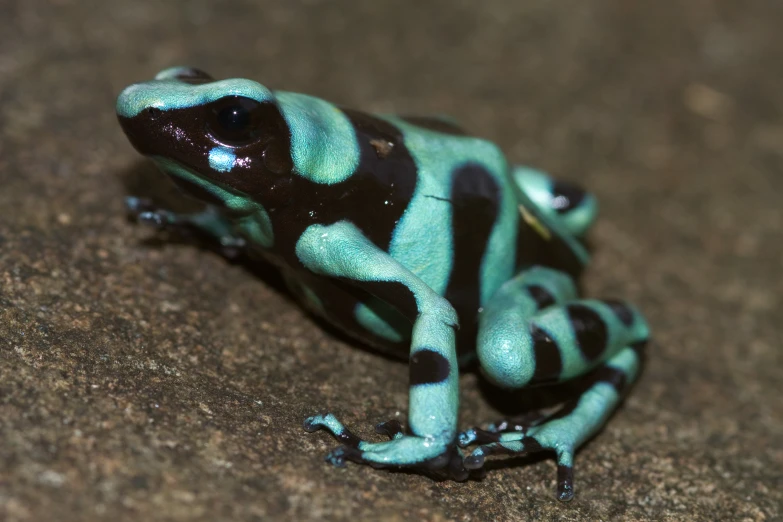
[415,238]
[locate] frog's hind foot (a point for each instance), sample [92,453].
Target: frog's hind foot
[434,457]
[563,431]
[518,424]
[519,443]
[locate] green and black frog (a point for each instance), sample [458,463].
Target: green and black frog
[411,236]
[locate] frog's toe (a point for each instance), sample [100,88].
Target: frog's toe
[525,445]
[330,423]
[439,457]
[145,212]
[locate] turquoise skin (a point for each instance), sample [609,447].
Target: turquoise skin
[412,237]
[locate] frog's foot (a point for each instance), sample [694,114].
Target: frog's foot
[564,430]
[521,443]
[519,424]
[433,456]
[208,222]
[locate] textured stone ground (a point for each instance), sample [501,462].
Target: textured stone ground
[147,380]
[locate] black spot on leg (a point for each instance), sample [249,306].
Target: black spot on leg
[428,367]
[348,438]
[566,196]
[549,362]
[589,329]
[621,310]
[396,294]
[541,295]
[610,375]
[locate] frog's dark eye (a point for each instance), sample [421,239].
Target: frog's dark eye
[235,120]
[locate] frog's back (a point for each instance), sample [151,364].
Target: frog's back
[468,227]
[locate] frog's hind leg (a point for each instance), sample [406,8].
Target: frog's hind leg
[561,201]
[208,222]
[534,331]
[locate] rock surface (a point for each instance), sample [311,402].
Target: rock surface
[142,379]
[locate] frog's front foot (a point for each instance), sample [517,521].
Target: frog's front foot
[429,455]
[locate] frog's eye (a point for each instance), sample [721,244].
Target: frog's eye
[235,120]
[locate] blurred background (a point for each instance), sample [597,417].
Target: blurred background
[149,379]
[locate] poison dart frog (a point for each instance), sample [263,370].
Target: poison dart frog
[411,236]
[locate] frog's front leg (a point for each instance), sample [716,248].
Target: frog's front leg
[533,331]
[342,251]
[209,222]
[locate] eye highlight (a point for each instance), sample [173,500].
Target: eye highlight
[235,120]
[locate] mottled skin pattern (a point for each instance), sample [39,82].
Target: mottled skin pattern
[411,236]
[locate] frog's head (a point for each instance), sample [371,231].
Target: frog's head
[218,140]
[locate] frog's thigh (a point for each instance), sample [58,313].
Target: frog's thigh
[341,250]
[565,202]
[533,330]
[568,428]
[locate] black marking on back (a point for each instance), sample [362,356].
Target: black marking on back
[621,310]
[541,296]
[589,329]
[549,362]
[566,197]
[475,200]
[534,249]
[428,367]
[435,124]
[373,198]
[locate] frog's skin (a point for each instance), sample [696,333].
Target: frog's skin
[411,236]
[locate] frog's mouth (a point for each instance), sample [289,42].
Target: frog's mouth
[196,187]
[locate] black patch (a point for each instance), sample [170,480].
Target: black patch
[534,249]
[589,329]
[566,197]
[435,124]
[390,428]
[374,198]
[348,438]
[395,293]
[549,362]
[428,367]
[610,375]
[475,198]
[531,445]
[640,347]
[541,295]
[340,297]
[621,310]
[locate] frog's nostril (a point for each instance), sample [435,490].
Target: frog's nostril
[153,112]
